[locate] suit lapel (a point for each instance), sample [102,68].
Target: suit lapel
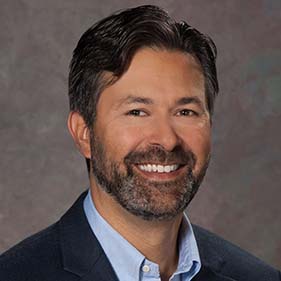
[81,252]
[207,273]
[212,262]
[101,271]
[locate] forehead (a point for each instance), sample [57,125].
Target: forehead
[161,75]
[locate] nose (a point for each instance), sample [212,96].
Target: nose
[165,135]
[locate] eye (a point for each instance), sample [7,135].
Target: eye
[136,112]
[187,112]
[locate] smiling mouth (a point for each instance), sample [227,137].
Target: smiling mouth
[157,168]
[160,172]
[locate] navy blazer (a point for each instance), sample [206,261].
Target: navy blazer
[68,251]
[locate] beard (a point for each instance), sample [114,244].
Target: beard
[149,199]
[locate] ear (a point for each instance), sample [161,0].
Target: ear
[80,133]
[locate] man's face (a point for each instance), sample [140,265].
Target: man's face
[150,144]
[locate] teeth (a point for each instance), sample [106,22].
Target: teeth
[167,169]
[158,168]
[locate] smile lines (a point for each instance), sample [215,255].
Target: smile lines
[158,168]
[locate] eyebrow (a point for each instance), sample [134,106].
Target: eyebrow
[138,99]
[135,99]
[188,100]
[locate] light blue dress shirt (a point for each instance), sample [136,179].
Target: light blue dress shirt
[128,263]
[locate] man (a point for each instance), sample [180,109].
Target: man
[142,90]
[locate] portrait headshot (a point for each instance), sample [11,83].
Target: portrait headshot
[140,141]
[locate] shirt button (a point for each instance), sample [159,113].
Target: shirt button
[145,268]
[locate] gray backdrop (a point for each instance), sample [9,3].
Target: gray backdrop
[41,171]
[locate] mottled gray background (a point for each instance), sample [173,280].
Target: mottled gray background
[41,172]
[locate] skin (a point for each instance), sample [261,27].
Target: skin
[164,77]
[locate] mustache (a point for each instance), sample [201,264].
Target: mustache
[157,154]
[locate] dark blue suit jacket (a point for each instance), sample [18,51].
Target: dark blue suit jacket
[68,251]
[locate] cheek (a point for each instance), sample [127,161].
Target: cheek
[120,140]
[203,141]
[198,139]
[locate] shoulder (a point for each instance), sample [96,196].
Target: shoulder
[34,257]
[234,262]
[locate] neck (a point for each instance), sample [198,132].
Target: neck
[154,239]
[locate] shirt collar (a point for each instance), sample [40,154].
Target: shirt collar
[189,259]
[125,259]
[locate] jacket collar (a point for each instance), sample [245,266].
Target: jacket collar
[81,251]
[207,273]
[83,255]
[212,262]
